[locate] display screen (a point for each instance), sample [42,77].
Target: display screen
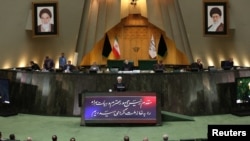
[4,90]
[242,89]
[115,63]
[121,107]
[146,64]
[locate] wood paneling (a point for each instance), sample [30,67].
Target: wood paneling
[188,93]
[134,34]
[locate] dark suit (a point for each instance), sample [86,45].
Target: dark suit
[48,64]
[35,66]
[227,65]
[120,87]
[69,67]
[159,67]
[127,67]
[197,66]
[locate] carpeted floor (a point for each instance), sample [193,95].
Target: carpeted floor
[41,128]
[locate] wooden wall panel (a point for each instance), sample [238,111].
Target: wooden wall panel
[134,34]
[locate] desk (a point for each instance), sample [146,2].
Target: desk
[188,93]
[120,108]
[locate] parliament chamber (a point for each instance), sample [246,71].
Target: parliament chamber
[187,93]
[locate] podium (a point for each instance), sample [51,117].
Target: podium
[6,109]
[138,108]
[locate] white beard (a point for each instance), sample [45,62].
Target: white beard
[215,26]
[46,27]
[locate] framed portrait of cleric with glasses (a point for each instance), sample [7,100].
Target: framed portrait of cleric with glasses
[215,17]
[45,19]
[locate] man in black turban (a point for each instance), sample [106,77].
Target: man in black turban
[217,26]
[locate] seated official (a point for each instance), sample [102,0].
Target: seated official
[119,85]
[159,66]
[48,64]
[127,66]
[34,66]
[227,64]
[197,66]
[94,67]
[69,67]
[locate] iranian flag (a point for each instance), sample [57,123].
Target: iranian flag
[116,49]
